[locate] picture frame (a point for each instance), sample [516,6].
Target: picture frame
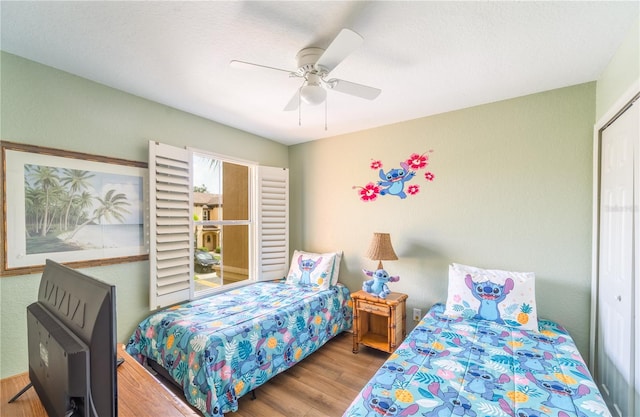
[78,209]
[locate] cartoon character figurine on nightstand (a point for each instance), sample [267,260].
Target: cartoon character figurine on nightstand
[378,285]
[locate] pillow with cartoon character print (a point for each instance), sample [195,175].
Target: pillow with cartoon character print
[504,297]
[313,269]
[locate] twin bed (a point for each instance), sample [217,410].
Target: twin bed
[484,353]
[467,367]
[222,347]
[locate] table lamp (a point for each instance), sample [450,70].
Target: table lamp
[380,249]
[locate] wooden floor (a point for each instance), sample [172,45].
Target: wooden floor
[321,385]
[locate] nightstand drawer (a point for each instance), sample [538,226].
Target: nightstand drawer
[380,310]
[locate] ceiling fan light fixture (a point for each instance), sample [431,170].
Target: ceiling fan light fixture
[314,65]
[313,94]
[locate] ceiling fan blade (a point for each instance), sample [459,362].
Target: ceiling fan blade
[243,64]
[345,43]
[294,102]
[354,89]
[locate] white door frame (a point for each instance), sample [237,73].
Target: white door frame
[607,118]
[626,101]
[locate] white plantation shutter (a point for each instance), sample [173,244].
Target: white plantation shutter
[171,243]
[272,189]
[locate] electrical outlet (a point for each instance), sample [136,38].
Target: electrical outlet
[417,314]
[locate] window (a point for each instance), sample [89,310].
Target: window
[230,229]
[225,194]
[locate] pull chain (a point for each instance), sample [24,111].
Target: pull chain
[300,110]
[325,113]
[299,106]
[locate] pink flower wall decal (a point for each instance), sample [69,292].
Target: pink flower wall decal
[416,161]
[429,176]
[369,192]
[376,164]
[413,189]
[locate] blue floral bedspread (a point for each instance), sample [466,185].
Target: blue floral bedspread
[220,347]
[454,367]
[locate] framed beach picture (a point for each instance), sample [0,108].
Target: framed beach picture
[75,208]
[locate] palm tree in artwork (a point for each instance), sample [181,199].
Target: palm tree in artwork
[46,178]
[75,180]
[34,203]
[84,200]
[55,208]
[112,207]
[31,208]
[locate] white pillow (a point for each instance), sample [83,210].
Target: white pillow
[313,269]
[336,268]
[508,298]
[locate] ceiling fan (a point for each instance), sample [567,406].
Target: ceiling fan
[314,67]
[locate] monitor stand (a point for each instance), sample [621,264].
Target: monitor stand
[29,385]
[22,391]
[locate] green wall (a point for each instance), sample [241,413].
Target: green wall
[46,107]
[512,190]
[622,73]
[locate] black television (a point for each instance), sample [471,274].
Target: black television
[72,344]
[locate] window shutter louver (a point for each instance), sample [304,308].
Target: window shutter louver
[273,223]
[170,248]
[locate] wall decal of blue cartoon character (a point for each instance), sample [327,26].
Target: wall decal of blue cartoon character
[394,180]
[378,285]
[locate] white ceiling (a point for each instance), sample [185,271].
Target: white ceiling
[427,57]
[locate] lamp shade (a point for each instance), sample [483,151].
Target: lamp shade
[381,249]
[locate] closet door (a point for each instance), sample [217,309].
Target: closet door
[615,364]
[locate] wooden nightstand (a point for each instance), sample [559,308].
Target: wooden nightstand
[379,323]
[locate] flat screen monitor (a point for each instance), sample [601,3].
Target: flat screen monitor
[72,344]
